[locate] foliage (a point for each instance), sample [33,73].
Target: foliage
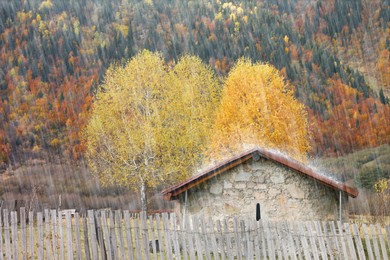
[54,54]
[381,185]
[149,123]
[258,108]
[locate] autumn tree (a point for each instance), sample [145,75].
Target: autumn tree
[149,122]
[258,109]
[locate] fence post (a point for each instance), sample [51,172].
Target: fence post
[31,234]
[40,235]
[1,238]
[167,235]
[106,235]
[160,240]
[342,240]
[152,244]
[14,231]
[86,243]
[54,232]
[61,235]
[352,249]
[367,242]
[77,231]
[213,241]
[375,242]
[358,241]
[382,242]
[113,241]
[388,235]
[93,234]
[118,223]
[23,232]
[129,237]
[6,234]
[47,233]
[144,235]
[189,235]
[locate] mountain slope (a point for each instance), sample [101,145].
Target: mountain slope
[53,55]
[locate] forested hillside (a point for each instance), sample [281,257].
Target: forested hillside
[54,54]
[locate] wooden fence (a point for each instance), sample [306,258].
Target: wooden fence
[119,235]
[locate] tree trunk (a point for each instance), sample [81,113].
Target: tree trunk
[144,206]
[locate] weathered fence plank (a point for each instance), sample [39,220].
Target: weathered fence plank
[159,232]
[237,239]
[329,243]
[47,234]
[220,240]
[197,237]
[31,234]
[129,237]
[144,236]
[69,237]
[375,242]
[1,238]
[305,245]
[388,235]
[77,236]
[367,241]
[275,238]
[175,237]
[342,240]
[213,240]
[382,242]
[183,240]
[93,234]
[171,238]
[352,250]
[113,240]
[61,236]
[263,240]
[206,244]
[23,234]
[283,239]
[229,247]
[106,235]
[153,244]
[291,249]
[54,238]
[86,242]
[321,239]
[358,241]
[118,224]
[137,239]
[100,237]
[6,234]
[14,232]
[189,237]
[40,235]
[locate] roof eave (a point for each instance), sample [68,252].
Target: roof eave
[176,190]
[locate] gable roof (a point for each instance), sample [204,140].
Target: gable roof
[256,153]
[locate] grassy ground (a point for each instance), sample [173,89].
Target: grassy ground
[38,185]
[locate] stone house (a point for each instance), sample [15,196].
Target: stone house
[284,188]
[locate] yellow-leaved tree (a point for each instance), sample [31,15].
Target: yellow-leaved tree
[258,109]
[149,122]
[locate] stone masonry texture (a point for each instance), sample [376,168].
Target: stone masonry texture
[282,193]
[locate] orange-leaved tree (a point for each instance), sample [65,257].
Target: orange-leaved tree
[258,108]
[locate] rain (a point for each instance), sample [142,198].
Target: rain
[333,57]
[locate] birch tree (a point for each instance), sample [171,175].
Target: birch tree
[149,123]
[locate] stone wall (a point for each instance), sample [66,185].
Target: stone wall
[282,193]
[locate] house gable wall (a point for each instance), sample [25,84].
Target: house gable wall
[282,194]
